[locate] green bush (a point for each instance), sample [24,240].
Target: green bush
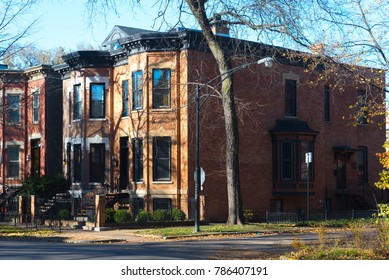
[65,214]
[45,186]
[178,215]
[160,215]
[143,217]
[248,215]
[109,215]
[122,216]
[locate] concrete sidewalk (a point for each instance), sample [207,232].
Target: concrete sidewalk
[103,236]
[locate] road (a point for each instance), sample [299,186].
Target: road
[252,247]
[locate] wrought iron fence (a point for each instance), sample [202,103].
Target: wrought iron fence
[281,217]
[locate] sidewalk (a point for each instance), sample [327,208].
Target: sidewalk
[80,236]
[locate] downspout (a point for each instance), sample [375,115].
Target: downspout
[3,142]
[178,132]
[26,128]
[84,135]
[147,136]
[111,129]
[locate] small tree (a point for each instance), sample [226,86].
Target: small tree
[383,183]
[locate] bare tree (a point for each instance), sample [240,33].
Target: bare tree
[13,28]
[336,36]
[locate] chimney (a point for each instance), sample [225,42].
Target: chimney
[220,28]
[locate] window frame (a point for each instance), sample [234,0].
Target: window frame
[159,90]
[290,98]
[125,99]
[137,90]
[14,107]
[77,163]
[16,162]
[97,168]
[35,106]
[77,102]
[158,162]
[137,159]
[296,160]
[100,102]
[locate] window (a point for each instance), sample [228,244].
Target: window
[125,98]
[97,163]
[77,171]
[327,103]
[13,161]
[35,107]
[161,88]
[287,160]
[137,90]
[137,156]
[77,105]
[290,162]
[290,98]
[362,107]
[362,164]
[13,109]
[161,159]
[97,101]
[123,168]
[162,203]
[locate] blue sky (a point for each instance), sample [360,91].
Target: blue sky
[65,24]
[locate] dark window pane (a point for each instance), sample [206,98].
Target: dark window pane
[77,163]
[125,98]
[137,90]
[35,105]
[97,108]
[286,161]
[162,159]
[77,105]
[137,152]
[97,163]
[13,108]
[13,161]
[290,97]
[161,88]
[162,203]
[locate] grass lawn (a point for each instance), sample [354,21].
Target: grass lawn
[219,228]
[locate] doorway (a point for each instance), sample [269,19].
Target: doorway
[35,158]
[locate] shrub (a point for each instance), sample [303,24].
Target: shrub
[143,216]
[178,215]
[248,215]
[45,186]
[64,214]
[109,215]
[122,216]
[160,215]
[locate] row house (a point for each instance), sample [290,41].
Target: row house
[129,122]
[31,121]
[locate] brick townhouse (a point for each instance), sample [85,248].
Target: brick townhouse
[31,122]
[129,121]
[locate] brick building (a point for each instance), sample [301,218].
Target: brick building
[31,118]
[128,127]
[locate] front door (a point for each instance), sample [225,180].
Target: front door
[35,158]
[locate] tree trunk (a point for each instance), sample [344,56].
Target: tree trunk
[235,209]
